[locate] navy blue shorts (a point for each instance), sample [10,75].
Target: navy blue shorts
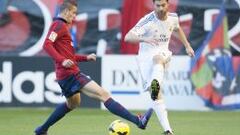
[72,84]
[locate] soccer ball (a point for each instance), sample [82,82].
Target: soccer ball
[119,127]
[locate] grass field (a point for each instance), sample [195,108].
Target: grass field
[95,122]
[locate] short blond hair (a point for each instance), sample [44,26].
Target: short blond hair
[158,0]
[67,4]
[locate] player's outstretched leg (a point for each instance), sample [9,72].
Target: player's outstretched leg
[59,113]
[119,110]
[155,88]
[143,119]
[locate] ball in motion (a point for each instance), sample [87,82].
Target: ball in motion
[119,127]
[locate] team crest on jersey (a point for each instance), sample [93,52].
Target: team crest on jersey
[53,36]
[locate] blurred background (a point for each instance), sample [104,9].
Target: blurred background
[210,81]
[196,90]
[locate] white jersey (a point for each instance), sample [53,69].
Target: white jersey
[151,27]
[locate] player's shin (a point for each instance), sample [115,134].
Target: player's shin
[157,78]
[119,110]
[59,113]
[161,112]
[158,72]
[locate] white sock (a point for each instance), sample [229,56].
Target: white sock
[158,73]
[161,112]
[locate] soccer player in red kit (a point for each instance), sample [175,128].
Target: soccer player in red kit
[58,45]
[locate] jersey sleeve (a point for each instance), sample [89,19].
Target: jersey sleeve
[80,58]
[140,29]
[54,33]
[176,24]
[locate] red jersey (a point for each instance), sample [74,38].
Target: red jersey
[58,44]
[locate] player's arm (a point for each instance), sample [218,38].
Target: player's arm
[84,58]
[48,47]
[184,40]
[133,37]
[54,33]
[49,44]
[80,58]
[138,32]
[135,34]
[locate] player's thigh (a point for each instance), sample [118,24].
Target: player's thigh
[145,68]
[92,89]
[74,101]
[162,57]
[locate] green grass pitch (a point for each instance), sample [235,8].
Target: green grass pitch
[22,121]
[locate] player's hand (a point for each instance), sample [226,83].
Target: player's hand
[67,63]
[92,57]
[190,51]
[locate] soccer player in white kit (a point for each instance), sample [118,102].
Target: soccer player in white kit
[153,33]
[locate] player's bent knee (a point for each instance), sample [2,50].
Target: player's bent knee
[160,96]
[104,95]
[158,59]
[73,105]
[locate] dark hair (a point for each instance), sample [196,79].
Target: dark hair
[158,0]
[67,4]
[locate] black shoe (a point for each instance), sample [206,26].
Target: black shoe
[39,131]
[155,88]
[167,133]
[143,119]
